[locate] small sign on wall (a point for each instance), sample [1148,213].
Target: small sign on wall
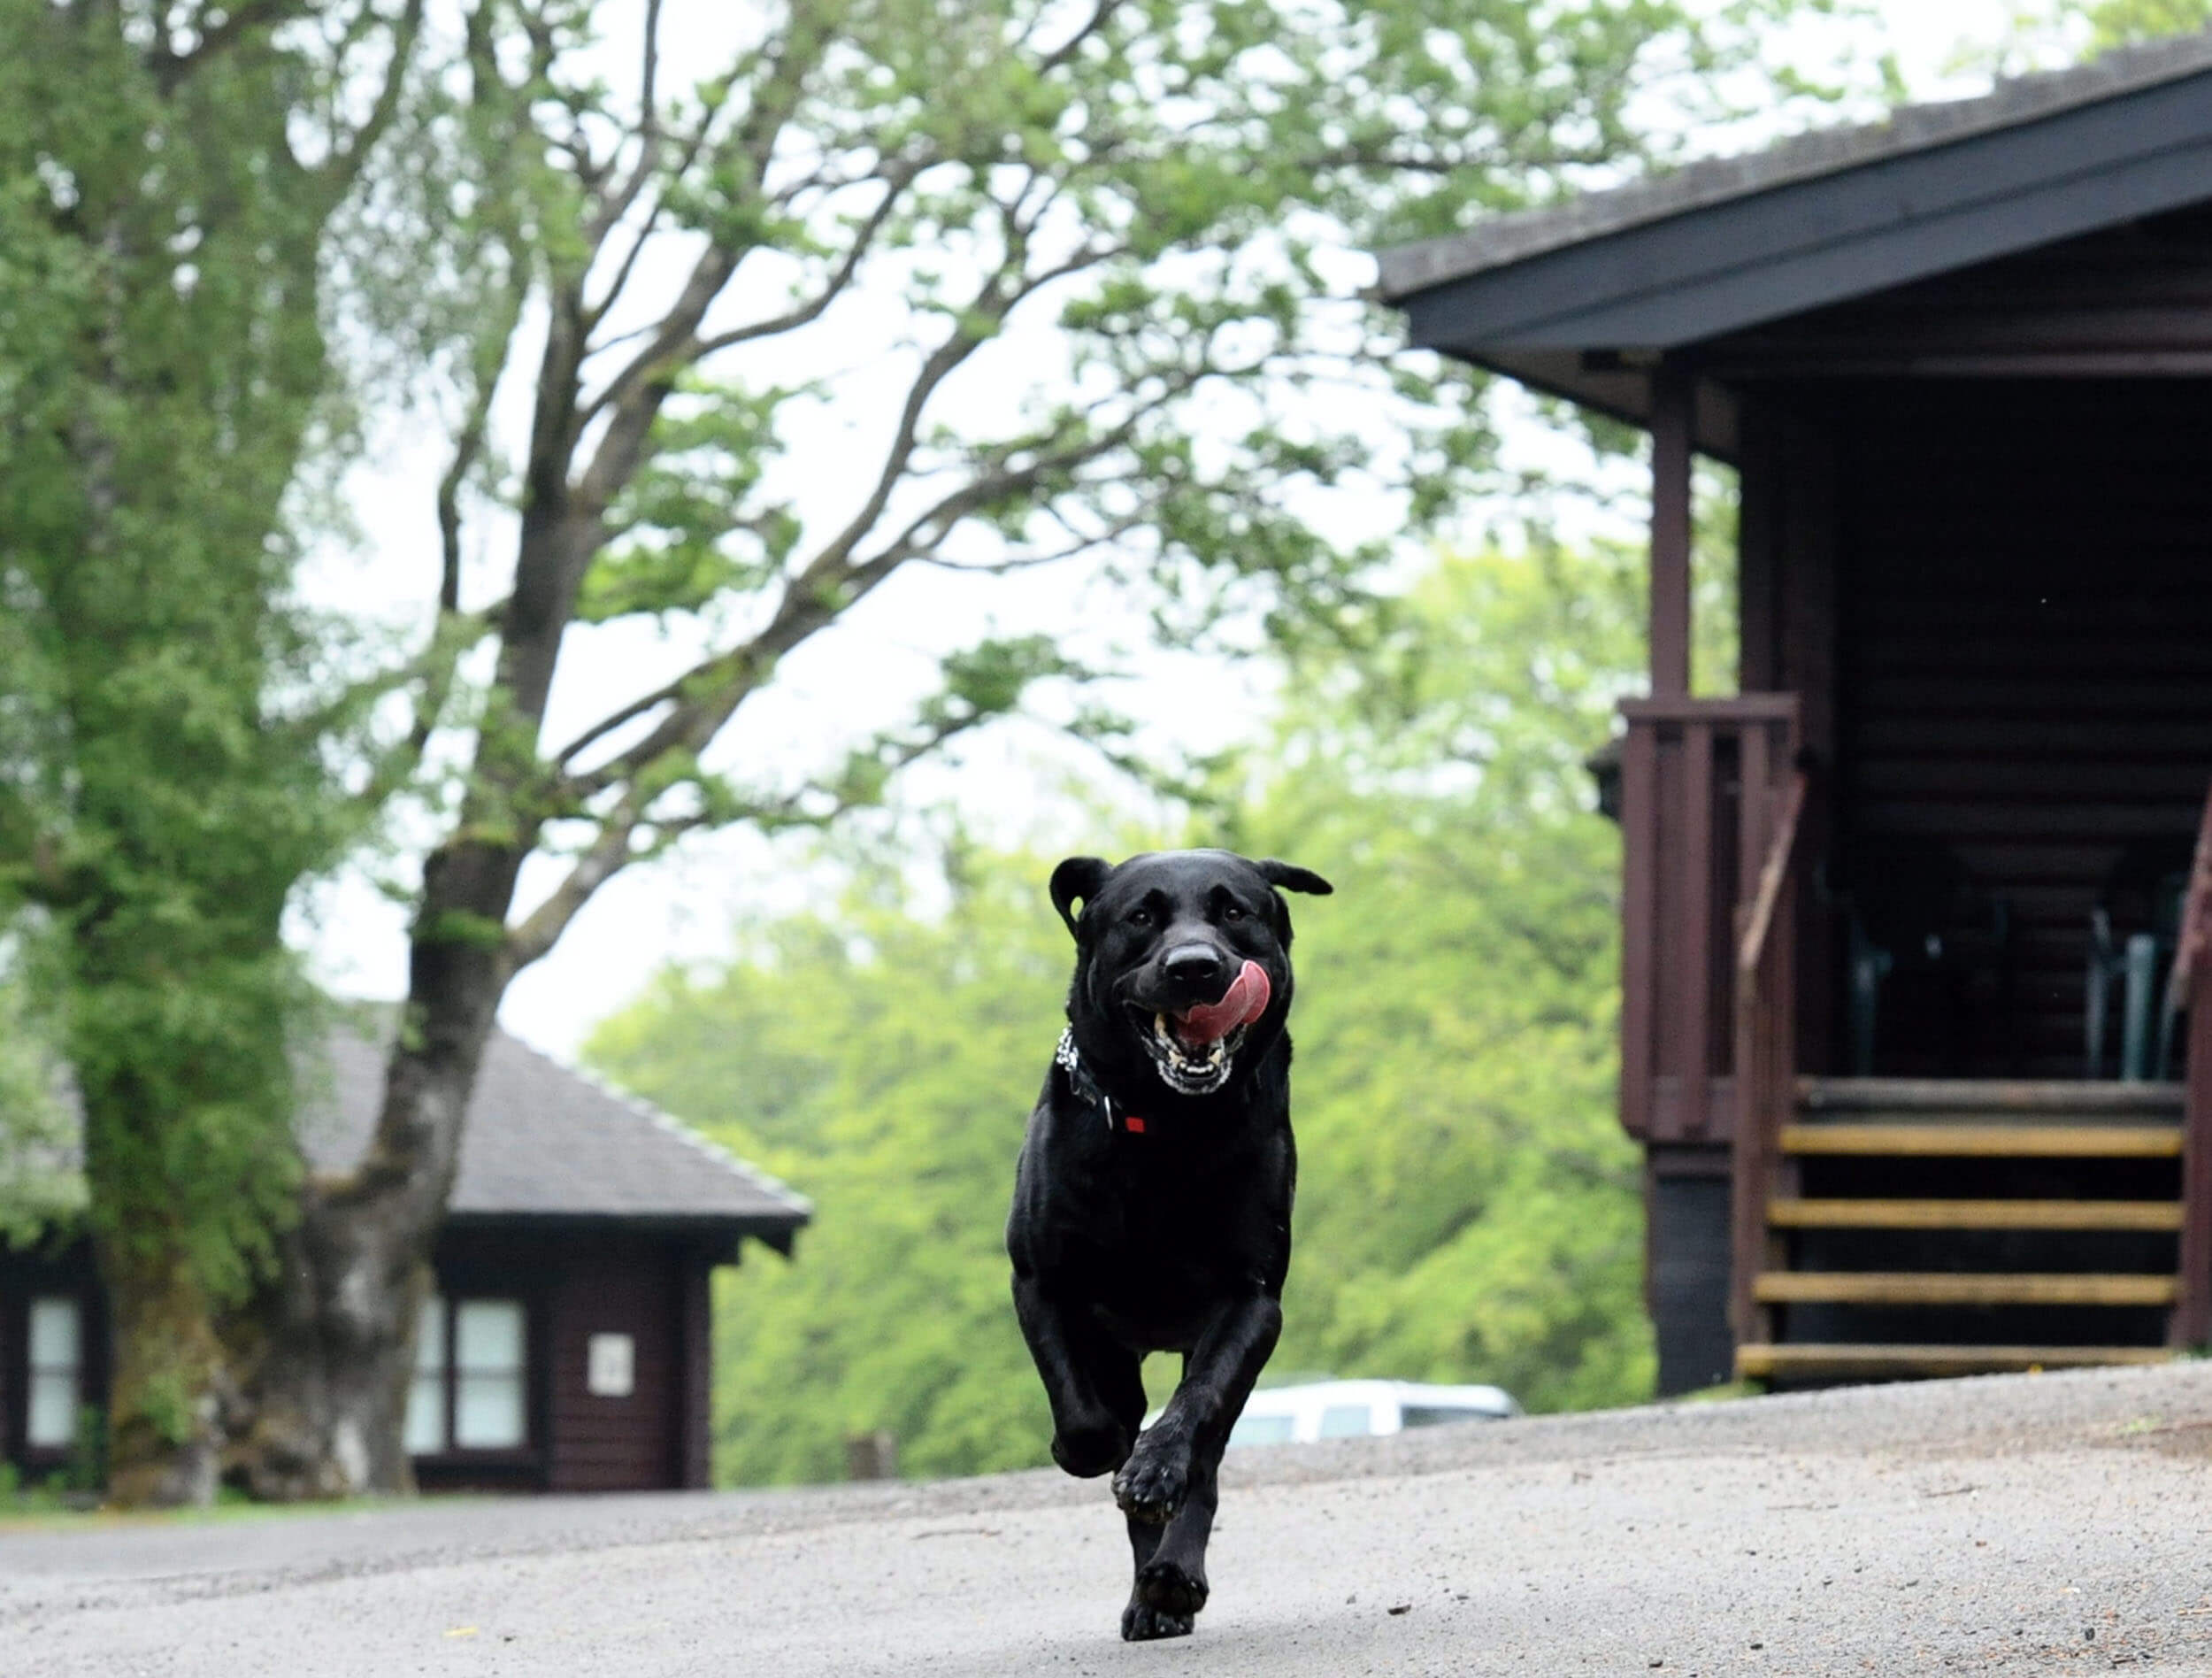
[610,1366]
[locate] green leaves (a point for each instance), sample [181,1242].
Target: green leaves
[40,1184]
[2116,22]
[1456,1067]
[693,528]
[165,373]
[989,679]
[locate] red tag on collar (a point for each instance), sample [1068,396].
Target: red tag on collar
[1132,1124]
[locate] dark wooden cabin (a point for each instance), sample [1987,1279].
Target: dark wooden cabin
[1878,901]
[569,1344]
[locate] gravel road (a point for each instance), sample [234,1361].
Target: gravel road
[2015,1524]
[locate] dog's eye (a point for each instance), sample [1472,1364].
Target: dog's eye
[1232,910]
[1140,917]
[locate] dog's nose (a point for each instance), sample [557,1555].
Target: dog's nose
[1195,965]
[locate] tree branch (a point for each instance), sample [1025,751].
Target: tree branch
[434,669]
[606,856]
[815,804]
[634,397]
[617,204]
[896,179]
[171,67]
[705,697]
[469,446]
[344,166]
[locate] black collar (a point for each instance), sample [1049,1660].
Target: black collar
[1086,1087]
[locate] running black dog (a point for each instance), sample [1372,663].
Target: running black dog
[1152,1203]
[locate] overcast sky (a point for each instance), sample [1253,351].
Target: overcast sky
[868,673]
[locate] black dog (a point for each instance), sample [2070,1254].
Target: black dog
[1152,1203]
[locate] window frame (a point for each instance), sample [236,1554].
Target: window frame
[44,1451]
[531,1451]
[66,1276]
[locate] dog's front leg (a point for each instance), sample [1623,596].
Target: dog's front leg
[1169,1477]
[1094,1386]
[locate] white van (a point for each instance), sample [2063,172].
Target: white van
[1359,1409]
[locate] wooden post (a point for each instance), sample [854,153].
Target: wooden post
[1688,998]
[872,1456]
[1640,916]
[2192,1320]
[694,1427]
[2191,1323]
[1764,956]
[1671,399]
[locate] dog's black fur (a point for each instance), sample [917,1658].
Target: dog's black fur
[1171,1234]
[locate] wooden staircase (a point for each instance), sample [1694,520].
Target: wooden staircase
[1936,1227]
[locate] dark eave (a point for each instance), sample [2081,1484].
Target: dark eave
[720,1236]
[1579,300]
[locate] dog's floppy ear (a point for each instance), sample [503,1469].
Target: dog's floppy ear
[1078,878]
[1288,876]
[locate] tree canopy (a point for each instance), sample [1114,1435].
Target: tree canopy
[168,734]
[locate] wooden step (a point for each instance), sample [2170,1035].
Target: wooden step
[1974,1214]
[1957,1288]
[2008,1097]
[2005,1141]
[1850,1363]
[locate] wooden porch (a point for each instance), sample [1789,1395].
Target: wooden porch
[1883,1226]
[1913,917]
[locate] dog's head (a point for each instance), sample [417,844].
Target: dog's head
[1183,953]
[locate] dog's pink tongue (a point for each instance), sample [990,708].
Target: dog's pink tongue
[1245,1001]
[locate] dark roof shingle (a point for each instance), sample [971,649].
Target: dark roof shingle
[543,1139]
[1514,237]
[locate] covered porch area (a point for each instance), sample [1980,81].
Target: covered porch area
[1912,919]
[1911,922]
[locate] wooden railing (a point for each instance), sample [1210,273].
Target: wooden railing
[1703,786]
[2191,1324]
[1766,1054]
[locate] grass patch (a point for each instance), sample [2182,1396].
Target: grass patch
[51,1507]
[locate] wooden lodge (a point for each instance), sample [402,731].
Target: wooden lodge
[1911,920]
[568,1343]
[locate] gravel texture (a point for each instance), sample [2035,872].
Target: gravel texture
[2015,1524]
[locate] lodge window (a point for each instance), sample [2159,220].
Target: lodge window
[471,1385]
[56,1374]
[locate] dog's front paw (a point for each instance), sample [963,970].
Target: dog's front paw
[1171,1591]
[1141,1623]
[1089,1450]
[1152,1484]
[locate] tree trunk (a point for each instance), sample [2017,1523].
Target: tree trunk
[327,1408]
[329,1402]
[171,1374]
[172,1377]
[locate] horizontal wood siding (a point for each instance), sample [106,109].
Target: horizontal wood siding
[2025,654]
[632,1444]
[2130,301]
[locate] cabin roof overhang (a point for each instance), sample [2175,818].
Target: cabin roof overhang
[718,1237]
[1582,299]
